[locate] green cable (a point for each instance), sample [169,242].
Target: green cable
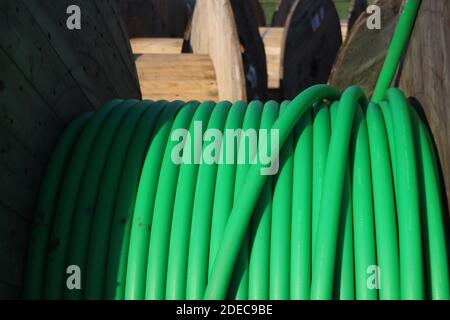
[280,252]
[260,226]
[203,198]
[344,282]
[80,225]
[384,205]
[104,207]
[240,215]
[238,288]
[162,209]
[432,212]
[179,236]
[301,235]
[132,269]
[59,236]
[328,225]
[45,208]
[272,222]
[407,199]
[363,220]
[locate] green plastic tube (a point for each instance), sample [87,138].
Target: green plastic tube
[45,208]
[260,226]
[55,267]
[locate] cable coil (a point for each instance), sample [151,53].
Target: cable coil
[357,194]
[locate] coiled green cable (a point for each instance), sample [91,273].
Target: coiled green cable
[355,192]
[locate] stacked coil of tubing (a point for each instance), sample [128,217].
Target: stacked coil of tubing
[357,187]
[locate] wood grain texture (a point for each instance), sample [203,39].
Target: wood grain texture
[214,33]
[272,38]
[426,75]
[48,75]
[361,57]
[177,77]
[156,45]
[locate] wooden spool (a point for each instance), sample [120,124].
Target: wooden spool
[253,56]
[357,8]
[210,19]
[258,13]
[223,31]
[310,45]
[48,75]
[273,38]
[154,18]
[426,75]
[280,15]
[360,59]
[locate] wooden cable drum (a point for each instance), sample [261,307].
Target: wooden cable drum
[253,55]
[426,75]
[227,31]
[310,45]
[154,18]
[272,38]
[280,15]
[48,75]
[356,9]
[361,57]
[258,12]
[223,30]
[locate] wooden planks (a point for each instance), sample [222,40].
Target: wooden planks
[156,45]
[177,77]
[214,33]
[426,75]
[272,38]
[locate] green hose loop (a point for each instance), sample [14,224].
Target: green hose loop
[260,227]
[54,279]
[101,221]
[45,208]
[160,229]
[384,205]
[238,288]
